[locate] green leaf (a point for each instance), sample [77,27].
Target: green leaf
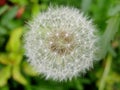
[113,81]
[114,10]
[5,74]
[9,16]
[35,9]
[14,42]
[111,29]
[43,7]
[15,58]
[20,2]
[10,59]
[3,31]
[4,59]
[48,87]
[28,69]
[112,51]
[86,5]
[6,87]
[34,1]
[3,9]
[18,76]
[14,24]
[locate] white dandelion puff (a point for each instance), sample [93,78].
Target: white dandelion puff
[61,43]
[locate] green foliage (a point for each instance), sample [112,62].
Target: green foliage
[14,43]
[5,75]
[17,74]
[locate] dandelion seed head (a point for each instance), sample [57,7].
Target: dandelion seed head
[61,43]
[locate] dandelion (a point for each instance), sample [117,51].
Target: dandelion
[61,43]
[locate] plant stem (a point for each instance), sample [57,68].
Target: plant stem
[106,72]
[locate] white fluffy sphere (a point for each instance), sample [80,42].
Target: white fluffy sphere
[61,43]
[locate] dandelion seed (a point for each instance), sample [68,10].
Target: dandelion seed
[63,43]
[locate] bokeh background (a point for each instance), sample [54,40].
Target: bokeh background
[17,74]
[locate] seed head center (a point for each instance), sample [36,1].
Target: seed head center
[61,42]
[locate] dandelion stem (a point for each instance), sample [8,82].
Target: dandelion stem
[106,72]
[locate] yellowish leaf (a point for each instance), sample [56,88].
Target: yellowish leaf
[28,69]
[14,42]
[18,76]
[5,74]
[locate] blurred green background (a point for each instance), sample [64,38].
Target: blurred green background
[17,74]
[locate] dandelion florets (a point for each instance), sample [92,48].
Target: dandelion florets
[61,43]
